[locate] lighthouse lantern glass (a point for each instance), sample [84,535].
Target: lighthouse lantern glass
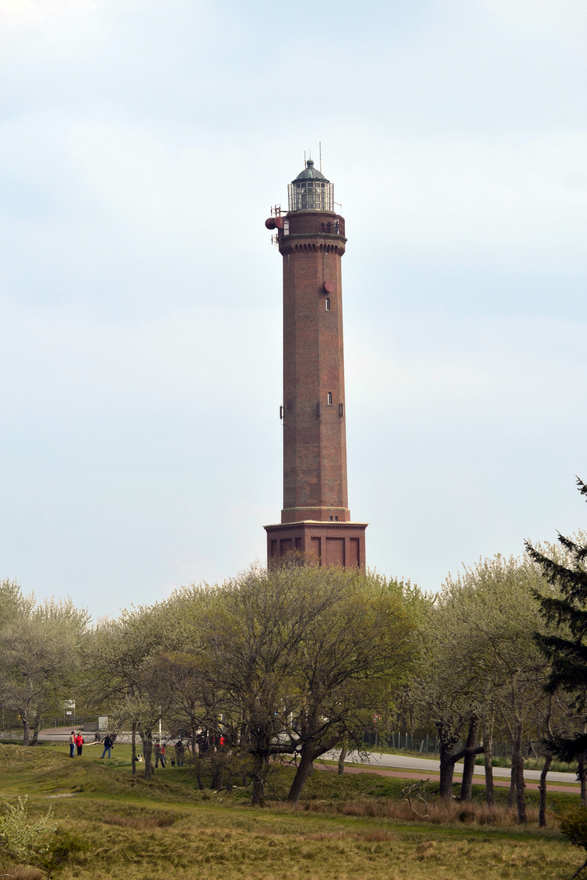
[310,191]
[311,195]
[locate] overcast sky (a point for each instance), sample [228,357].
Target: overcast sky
[141,145]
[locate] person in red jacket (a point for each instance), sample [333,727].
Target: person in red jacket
[79,741]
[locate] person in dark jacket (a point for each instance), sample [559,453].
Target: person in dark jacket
[72,744]
[107,745]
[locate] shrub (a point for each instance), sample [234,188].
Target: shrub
[574,825]
[23,837]
[62,846]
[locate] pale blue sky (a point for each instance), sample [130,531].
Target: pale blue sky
[141,145]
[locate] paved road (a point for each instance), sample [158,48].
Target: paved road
[429,765]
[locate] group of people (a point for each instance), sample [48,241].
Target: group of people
[161,753]
[76,742]
[203,743]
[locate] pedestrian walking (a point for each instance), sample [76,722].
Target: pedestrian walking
[79,741]
[107,745]
[72,744]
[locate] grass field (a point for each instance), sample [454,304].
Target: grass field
[114,826]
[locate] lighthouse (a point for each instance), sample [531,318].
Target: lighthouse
[315,519]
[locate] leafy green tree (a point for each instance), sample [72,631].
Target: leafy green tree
[501,617]
[40,657]
[197,701]
[289,661]
[354,658]
[444,691]
[126,655]
[253,636]
[482,666]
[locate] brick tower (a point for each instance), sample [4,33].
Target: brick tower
[315,519]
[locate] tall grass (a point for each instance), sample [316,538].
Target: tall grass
[437,812]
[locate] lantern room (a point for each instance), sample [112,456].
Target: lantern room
[310,191]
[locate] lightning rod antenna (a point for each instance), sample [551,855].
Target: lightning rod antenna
[320,154]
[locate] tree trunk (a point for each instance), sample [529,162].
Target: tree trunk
[518,775]
[36,728]
[260,770]
[25,731]
[447,769]
[147,740]
[582,777]
[198,769]
[342,757]
[217,771]
[133,748]
[469,761]
[193,742]
[542,789]
[304,770]
[512,791]
[580,871]
[488,761]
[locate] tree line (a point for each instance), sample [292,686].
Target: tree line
[292,662]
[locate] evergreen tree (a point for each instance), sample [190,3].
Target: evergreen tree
[566,645]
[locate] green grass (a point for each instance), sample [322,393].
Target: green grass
[120,827]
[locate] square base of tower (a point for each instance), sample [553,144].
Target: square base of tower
[323,543]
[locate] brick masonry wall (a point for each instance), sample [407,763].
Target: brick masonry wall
[314,446]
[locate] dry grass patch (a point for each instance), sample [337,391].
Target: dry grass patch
[436,812]
[22,872]
[141,822]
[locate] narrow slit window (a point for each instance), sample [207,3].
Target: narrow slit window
[327,304]
[329,398]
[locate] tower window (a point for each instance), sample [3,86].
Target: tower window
[327,304]
[329,398]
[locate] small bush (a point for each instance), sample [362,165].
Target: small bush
[25,838]
[574,825]
[63,846]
